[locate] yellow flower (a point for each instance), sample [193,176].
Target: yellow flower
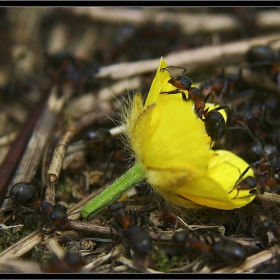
[172,152]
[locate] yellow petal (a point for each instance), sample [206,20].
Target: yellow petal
[159,84]
[213,189]
[165,135]
[174,141]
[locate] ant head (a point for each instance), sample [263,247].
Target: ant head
[181,82]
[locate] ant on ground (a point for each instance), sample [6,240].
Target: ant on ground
[53,216]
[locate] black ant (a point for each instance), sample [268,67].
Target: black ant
[214,121]
[52,215]
[71,262]
[228,250]
[248,183]
[260,233]
[263,60]
[138,238]
[220,86]
[101,139]
[266,171]
[184,83]
[191,241]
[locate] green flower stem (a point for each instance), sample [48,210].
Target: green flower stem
[133,176]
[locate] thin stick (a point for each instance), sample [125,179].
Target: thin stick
[191,59]
[61,148]
[87,227]
[189,23]
[46,159]
[269,197]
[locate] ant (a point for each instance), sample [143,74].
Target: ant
[266,171]
[191,241]
[249,183]
[138,238]
[184,83]
[214,121]
[52,215]
[262,59]
[229,250]
[221,85]
[101,139]
[261,232]
[71,262]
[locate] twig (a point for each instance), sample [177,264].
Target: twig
[269,197]
[116,89]
[90,228]
[61,148]
[189,23]
[191,59]
[46,159]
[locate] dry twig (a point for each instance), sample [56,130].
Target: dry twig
[191,59]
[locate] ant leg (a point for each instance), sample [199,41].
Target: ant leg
[207,97]
[184,97]
[222,108]
[239,180]
[166,68]
[245,127]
